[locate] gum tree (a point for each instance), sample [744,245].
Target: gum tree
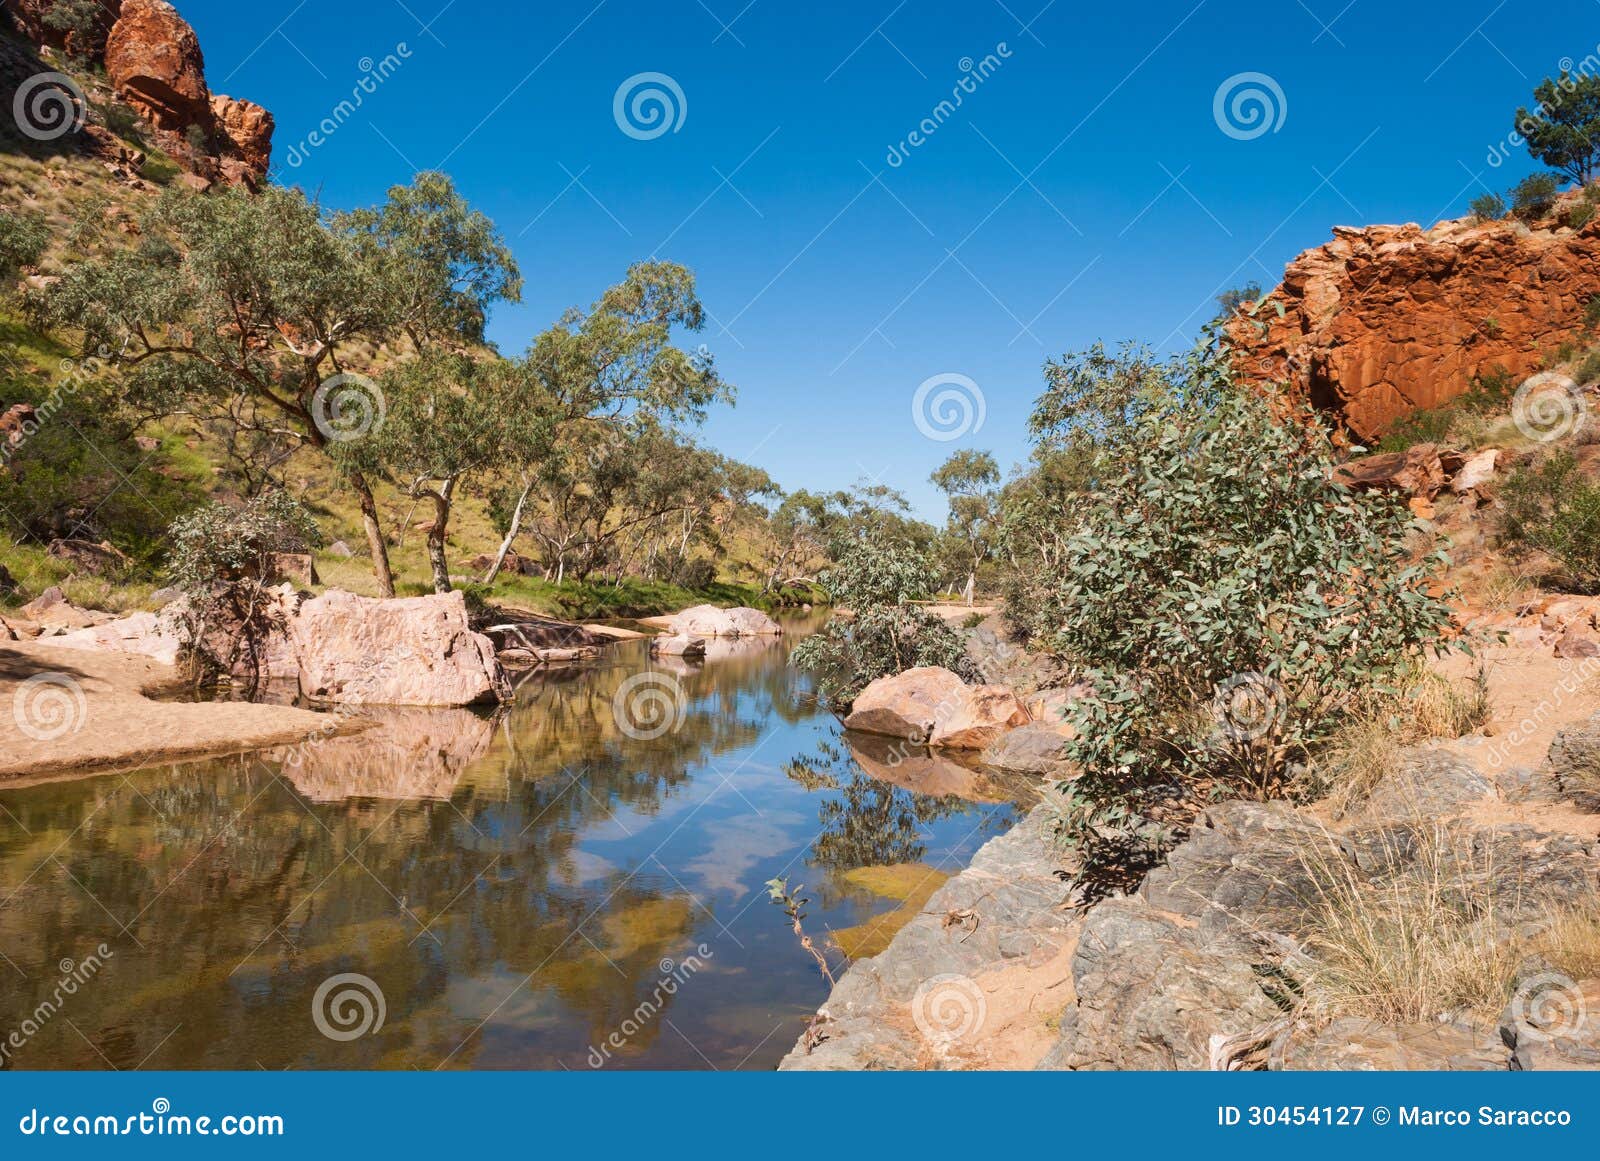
[970,480]
[1228,602]
[250,309]
[1564,131]
[603,375]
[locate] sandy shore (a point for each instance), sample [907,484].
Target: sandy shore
[74,710]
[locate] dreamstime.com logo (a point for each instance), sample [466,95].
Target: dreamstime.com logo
[348,1006]
[348,406]
[1550,1003]
[73,976]
[48,706]
[973,74]
[48,106]
[373,74]
[649,105]
[160,1121]
[674,975]
[949,1008]
[1548,407]
[948,406]
[1249,105]
[1247,706]
[649,704]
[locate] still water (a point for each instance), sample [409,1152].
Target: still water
[534,889]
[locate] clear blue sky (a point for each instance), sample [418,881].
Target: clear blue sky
[1084,190]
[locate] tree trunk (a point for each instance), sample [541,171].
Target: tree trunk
[375,542]
[511,534]
[972,582]
[441,520]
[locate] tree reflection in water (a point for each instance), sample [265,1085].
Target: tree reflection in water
[515,885]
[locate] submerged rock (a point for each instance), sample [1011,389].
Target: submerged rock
[678,645]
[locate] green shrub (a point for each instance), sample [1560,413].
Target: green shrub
[1419,427]
[123,121]
[23,238]
[1578,216]
[877,580]
[222,560]
[1533,196]
[1225,615]
[1591,313]
[1489,391]
[1588,371]
[83,22]
[1553,507]
[1490,207]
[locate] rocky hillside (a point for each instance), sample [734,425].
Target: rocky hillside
[155,71]
[1384,321]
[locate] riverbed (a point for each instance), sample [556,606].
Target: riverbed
[578,881]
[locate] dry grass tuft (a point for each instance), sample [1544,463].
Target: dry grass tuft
[1431,942]
[1367,748]
[1409,949]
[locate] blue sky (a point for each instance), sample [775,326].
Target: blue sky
[1084,189]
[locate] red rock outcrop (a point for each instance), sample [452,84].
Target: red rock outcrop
[1387,320]
[28,18]
[153,59]
[248,126]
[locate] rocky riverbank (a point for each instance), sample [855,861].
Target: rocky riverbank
[91,691]
[78,710]
[1221,959]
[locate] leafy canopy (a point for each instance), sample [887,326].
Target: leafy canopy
[1226,599]
[1563,132]
[877,579]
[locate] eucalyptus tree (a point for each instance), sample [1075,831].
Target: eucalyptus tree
[450,416]
[258,310]
[970,479]
[1563,130]
[439,264]
[604,374]
[796,546]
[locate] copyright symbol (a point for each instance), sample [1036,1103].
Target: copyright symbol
[1380,1116]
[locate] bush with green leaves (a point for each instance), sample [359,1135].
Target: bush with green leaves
[222,559]
[1489,207]
[1552,507]
[1490,391]
[1533,197]
[1226,600]
[1563,131]
[23,238]
[83,24]
[884,633]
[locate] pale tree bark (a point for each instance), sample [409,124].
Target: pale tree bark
[511,533]
[441,520]
[374,529]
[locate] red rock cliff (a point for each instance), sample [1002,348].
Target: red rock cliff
[152,58]
[1387,320]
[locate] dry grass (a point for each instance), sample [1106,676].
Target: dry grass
[1429,943]
[1505,587]
[1367,749]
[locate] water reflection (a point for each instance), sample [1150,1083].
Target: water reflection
[406,753]
[518,886]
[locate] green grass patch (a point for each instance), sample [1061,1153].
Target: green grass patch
[602,600]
